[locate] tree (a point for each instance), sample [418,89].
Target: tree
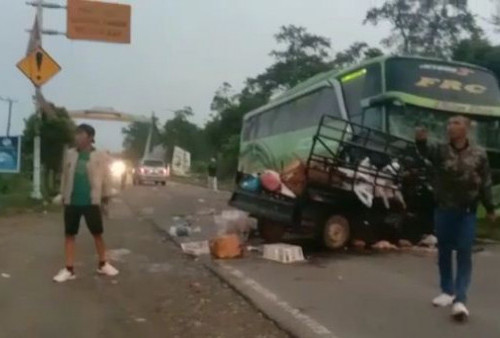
[354,54]
[56,131]
[180,132]
[427,28]
[136,135]
[303,56]
[479,52]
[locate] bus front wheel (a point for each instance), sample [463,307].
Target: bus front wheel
[336,232]
[270,231]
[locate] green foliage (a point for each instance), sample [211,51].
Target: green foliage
[424,28]
[432,30]
[56,130]
[180,132]
[354,54]
[480,52]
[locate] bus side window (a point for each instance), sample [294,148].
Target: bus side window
[327,104]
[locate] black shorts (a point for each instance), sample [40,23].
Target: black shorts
[92,214]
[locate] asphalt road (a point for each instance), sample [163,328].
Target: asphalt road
[159,292]
[343,295]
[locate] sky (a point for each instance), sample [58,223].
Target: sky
[181,52]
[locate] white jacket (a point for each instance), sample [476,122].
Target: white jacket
[98,171]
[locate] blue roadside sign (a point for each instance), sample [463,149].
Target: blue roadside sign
[10,154]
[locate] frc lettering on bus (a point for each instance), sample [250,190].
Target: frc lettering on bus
[428,82]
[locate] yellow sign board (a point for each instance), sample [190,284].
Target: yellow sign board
[39,67]
[98,21]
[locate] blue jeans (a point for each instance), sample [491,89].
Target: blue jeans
[455,230]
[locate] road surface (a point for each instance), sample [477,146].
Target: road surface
[159,292]
[341,295]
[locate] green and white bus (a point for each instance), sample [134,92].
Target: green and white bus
[393,94]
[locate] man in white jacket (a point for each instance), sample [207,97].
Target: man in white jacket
[85,188]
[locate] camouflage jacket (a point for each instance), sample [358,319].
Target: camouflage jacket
[462,177]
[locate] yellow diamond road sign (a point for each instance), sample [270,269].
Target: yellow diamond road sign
[39,67]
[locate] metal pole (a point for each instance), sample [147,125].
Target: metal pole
[9,117]
[147,149]
[37,192]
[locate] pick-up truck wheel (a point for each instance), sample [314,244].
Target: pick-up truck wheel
[336,232]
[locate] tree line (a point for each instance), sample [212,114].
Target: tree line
[446,30]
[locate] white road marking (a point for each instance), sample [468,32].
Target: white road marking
[309,322]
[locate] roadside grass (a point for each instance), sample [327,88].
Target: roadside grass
[15,191]
[488,230]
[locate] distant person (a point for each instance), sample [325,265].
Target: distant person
[462,179]
[85,189]
[212,174]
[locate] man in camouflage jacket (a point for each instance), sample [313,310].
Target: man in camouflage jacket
[462,179]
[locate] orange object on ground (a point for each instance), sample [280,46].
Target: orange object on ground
[228,246]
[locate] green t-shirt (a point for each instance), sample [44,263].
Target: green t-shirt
[81,184]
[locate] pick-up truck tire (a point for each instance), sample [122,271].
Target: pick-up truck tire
[336,232]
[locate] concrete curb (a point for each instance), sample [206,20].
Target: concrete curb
[279,312]
[284,316]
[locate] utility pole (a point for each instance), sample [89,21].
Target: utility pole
[11,103]
[147,149]
[37,172]
[36,42]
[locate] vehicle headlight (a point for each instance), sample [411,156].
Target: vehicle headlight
[118,168]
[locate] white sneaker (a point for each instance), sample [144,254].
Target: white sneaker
[459,312]
[63,276]
[108,270]
[443,300]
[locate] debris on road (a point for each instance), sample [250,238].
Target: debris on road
[195,286]
[201,200]
[159,267]
[283,253]
[228,246]
[251,248]
[118,254]
[234,222]
[359,244]
[384,245]
[429,241]
[5,275]
[179,231]
[196,248]
[206,212]
[182,228]
[404,243]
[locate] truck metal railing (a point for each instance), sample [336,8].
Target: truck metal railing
[346,155]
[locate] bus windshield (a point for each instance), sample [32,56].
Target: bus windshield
[402,121]
[442,81]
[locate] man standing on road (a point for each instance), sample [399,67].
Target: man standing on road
[462,179]
[85,188]
[212,175]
